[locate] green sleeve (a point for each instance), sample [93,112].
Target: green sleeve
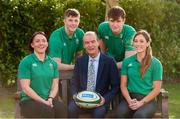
[80,47]
[100,32]
[157,70]
[123,70]
[55,45]
[129,37]
[24,70]
[56,71]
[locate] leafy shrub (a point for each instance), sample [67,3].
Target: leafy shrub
[92,12]
[20,18]
[162,20]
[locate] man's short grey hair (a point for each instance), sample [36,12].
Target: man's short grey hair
[91,33]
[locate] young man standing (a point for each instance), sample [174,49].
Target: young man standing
[66,42]
[116,37]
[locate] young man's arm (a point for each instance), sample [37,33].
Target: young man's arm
[62,66]
[129,50]
[55,51]
[102,46]
[103,50]
[127,53]
[78,54]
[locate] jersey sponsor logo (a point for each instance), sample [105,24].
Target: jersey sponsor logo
[75,35]
[34,65]
[106,37]
[121,36]
[51,65]
[130,65]
[77,41]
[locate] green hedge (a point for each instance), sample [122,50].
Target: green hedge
[162,19]
[20,18]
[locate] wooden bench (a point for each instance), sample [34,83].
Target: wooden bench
[66,76]
[162,101]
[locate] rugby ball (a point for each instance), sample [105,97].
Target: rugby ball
[87,99]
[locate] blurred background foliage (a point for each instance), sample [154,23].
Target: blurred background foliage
[20,18]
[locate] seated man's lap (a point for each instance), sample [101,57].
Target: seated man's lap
[75,111]
[100,112]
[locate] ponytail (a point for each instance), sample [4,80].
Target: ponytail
[146,62]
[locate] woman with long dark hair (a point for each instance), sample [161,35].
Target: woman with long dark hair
[141,78]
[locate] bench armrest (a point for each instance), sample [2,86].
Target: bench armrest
[162,101]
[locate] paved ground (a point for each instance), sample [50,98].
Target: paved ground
[7,102]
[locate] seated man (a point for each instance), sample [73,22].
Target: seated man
[106,75]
